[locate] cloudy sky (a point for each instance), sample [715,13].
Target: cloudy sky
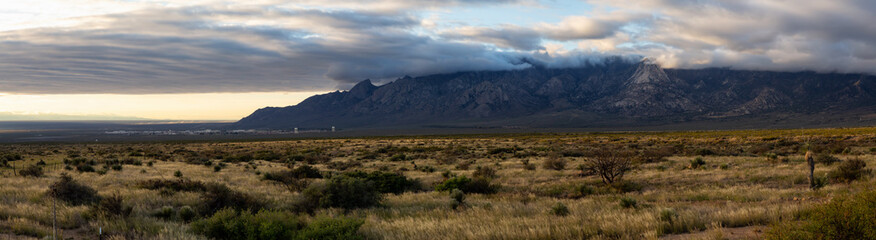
[213,59]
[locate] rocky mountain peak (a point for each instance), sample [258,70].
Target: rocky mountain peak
[649,71]
[362,89]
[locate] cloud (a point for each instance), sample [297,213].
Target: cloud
[587,27]
[198,49]
[506,36]
[306,45]
[762,35]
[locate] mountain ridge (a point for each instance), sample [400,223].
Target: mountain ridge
[615,93]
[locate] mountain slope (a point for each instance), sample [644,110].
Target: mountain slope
[616,93]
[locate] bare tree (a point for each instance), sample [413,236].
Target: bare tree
[609,164]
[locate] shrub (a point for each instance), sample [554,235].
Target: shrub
[704,152]
[527,165]
[310,158]
[559,209]
[464,165]
[343,192]
[174,185]
[332,229]
[484,172]
[654,155]
[458,198]
[609,165]
[554,163]
[178,174]
[398,157]
[343,165]
[232,224]
[453,183]
[844,217]
[187,214]
[293,181]
[113,206]
[217,196]
[697,163]
[583,191]
[849,170]
[68,190]
[826,159]
[165,213]
[84,168]
[117,167]
[31,171]
[503,150]
[217,168]
[306,171]
[628,202]
[477,185]
[387,182]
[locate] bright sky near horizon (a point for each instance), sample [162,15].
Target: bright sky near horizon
[222,59]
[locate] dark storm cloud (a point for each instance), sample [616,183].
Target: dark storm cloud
[269,48]
[195,50]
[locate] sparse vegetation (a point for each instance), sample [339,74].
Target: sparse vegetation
[609,165]
[71,191]
[849,170]
[308,186]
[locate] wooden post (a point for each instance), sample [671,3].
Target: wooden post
[54,219]
[811,161]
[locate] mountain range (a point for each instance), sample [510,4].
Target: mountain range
[613,93]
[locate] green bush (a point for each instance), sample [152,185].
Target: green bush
[826,159]
[165,213]
[849,170]
[113,206]
[232,224]
[218,196]
[458,198]
[628,202]
[398,157]
[306,171]
[844,217]
[187,214]
[704,152]
[84,168]
[453,183]
[332,228]
[68,190]
[484,172]
[697,162]
[31,171]
[559,209]
[387,182]
[477,185]
[554,163]
[343,192]
[172,185]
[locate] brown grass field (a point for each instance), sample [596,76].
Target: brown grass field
[749,185]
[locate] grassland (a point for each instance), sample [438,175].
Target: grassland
[749,183]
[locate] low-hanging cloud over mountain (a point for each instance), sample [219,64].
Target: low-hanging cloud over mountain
[254,46]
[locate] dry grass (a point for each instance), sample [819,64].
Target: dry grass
[736,188]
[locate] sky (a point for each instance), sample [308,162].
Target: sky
[221,59]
